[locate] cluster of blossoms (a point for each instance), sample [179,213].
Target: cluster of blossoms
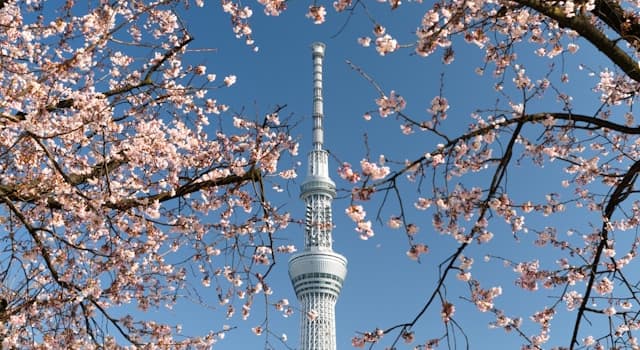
[262,255]
[507,323]
[286,249]
[284,307]
[357,214]
[239,19]
[430,35]
[447,312]
[97,181]
[387,105]
[367,337]
[90,168]
[439,107]
[615,88]
[570,9]
[484,298]
[384,42]
[543,318]
[465,265]
[317,14]
[372,170]
[597,149]
[529,275]
[257,330]
[414,252]
[273,7]
[346,172]
[341,5]
[604,286]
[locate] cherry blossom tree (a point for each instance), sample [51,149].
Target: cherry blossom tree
[110,163]
[120,182]
[461,188]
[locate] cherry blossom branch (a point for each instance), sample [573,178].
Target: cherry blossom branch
[527,118]
[584,26]
[620,193]
[34,235]
[153,69]
[615,17]
[484,207]
[252,175]
[50,266]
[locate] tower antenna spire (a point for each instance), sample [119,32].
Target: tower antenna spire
[318,115]
[317,273]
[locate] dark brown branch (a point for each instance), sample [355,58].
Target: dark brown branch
[154,68]
[498,177]
[528,118]
[99,170]
[611,13]
[33,232]
[583,25]
[252,175]
[69,102]
[620,193]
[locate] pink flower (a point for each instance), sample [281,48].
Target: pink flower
[414,252]
[286,249]
[610,311]
[447,312]
[273,7]
[365,41]
[357,342]
[391,104]
[588,341]
[317,14]
[356,212]
[439,105]
[528,278]
[341,5]
[347,173]
[18,320]
[395,222]
[364,228]
[408,337]
[373,170]
[412,229]
[422,203]
[604,286]
[257,330]
[386,44]
[379,30]
[200,70]
[464,276]
[230,80]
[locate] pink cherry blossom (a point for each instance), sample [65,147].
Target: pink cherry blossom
[230,80]
[317,14]
[386,44]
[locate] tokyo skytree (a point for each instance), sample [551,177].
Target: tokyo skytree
[317,273]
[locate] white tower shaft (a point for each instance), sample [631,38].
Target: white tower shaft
[317,273]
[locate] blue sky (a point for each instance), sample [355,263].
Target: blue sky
[383,286]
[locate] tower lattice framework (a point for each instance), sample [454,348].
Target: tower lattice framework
[317,273]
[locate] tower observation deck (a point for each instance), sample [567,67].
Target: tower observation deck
[317,273]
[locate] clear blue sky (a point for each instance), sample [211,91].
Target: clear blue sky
[383,286]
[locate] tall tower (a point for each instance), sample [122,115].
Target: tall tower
[317,273]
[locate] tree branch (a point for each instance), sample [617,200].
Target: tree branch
[583,25]
[618,196]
